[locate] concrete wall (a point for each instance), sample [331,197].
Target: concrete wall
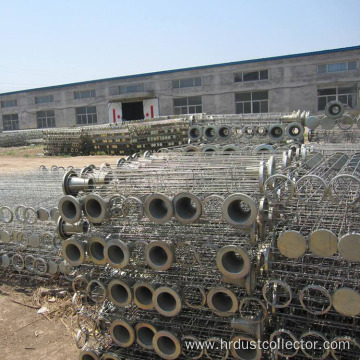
[292,84]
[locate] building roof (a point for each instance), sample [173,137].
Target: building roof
[281,57]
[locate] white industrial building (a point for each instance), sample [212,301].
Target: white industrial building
[304,81]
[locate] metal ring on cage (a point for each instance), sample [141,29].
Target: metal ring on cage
[194,296]
[334,109]
[6,214]
[311,188]
[252,304]
[187,207]
[223,132]
[18,262]
[239,210]
[96,291]
[346,122]
[208,207]
[316,294]
[79,285]
[81,339]
[343,354]
[246,348]
[263,210]
[210,132]
[95,249]
[279,188]
[117,253]
[30,215]
[145,333]
[167,345]
[158,208]
[276,132]
[346,301]
[290,337]
[120,292]
[122,333]
[345,189]
[73,251]
[261,130]
[233,262]
[19,238]
[194,353]
[19,213]
[294,131]
[72,184]
[88,355]
[191,149]
[96,209]
[318,338]
[248,131]
[275,285]
[195,132]
[210,149]
[263,149]
[159,255]
[143,295]
[222,301]
[70,209]
[230,149]
[116,205]
[128,206]
[167,301]
[29,262]
[40,266]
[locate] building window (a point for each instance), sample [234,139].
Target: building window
[86,115]
[183,83]
[44,99]
[10,122]
[252,102]
[188,105]
[251,76]
[84,94]
[45,119]
[345,94]
[342,66]
[126,89]
[8,103]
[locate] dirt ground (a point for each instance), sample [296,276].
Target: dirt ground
[31,157]
[24,333]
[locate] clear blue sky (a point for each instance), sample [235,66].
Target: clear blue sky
[54,42]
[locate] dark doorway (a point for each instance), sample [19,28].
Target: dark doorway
[132,111]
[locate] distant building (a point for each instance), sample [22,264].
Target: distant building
[278,84]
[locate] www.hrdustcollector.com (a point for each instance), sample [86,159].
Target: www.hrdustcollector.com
[279,344]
